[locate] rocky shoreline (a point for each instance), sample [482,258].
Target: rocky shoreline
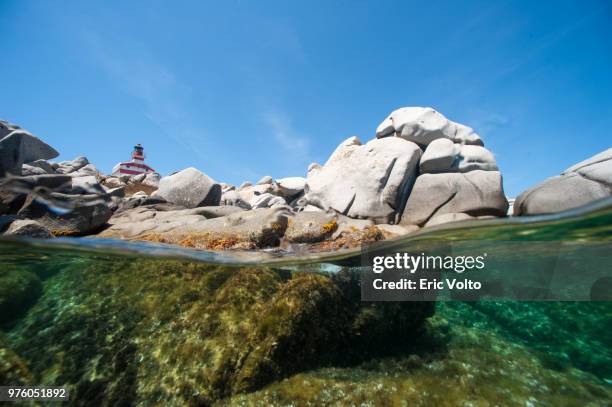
[420,170]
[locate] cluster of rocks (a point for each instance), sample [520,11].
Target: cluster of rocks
[420,170]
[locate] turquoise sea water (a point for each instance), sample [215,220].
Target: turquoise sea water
[140,324]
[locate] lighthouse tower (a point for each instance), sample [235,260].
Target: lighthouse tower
[134,167]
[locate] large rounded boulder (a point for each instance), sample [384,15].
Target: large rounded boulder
[580,184]
[18,147]
[190,188]
[369,181]
[422,125]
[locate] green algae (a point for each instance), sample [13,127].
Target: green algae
[471,366]
[165,331]
[145,330]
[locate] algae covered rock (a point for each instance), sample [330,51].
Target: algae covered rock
[200,227]
[13,370]
[19,289]
[173,332]
[311,227]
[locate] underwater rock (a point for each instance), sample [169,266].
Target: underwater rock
[422,125]
[311,227]
[13,370]
[19,289]
[579,185]
[475,193]
[18,147]
[189,188]
[369,181]
[456,365]
[118,331]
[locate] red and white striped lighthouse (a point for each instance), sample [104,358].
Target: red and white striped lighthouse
[134,167]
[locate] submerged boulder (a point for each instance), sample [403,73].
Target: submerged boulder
[369,181]
[190,188]
[19,289]
[230,330]
[422,125]
[579,185]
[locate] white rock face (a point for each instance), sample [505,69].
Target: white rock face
[290,186]
[448,218]
[442,155]
[190,188]
[43,165]
[265,180]
[475,158]
[267,200]
[369,181]
[85,182]
[31,170]
[18,147]
[67,167]
[87,170]
[233,198]
[579,185]
[422,125]
[475,193]
[151,180]
[113,182]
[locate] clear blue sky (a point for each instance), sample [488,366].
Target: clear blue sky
[242,89]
